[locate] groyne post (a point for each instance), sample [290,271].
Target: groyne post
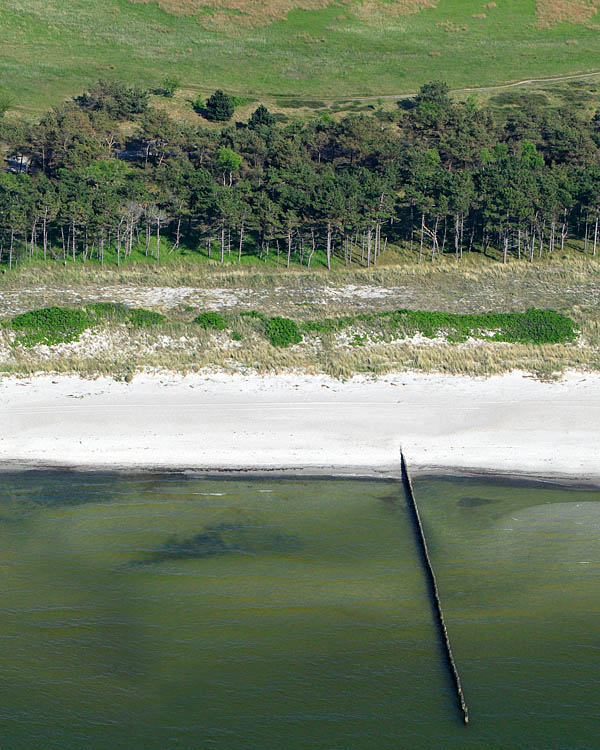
[433,589]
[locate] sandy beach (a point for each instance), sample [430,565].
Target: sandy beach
[509,424]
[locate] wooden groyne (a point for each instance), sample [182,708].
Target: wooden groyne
[433,590]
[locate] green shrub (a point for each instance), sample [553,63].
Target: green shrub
[282,332]
[298,103]
[213,320]
[141,318]
[522,99]
[241,101]
[531,327]
[358,340]
[118,101]
[116,312]
[103,311]
[6,102]
[538,327]
[57,325]
[170,86]
[326,325]
[50,325]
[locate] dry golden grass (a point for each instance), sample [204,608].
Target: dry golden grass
[251,13]
[119,352]
[371,9]
[551,12]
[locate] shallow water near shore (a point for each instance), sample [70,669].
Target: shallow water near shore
[175,612]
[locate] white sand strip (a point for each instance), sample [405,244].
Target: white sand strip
[512,423]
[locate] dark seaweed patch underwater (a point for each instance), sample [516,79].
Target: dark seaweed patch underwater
[226,538]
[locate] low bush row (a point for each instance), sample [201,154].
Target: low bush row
[53,325]
[58,325]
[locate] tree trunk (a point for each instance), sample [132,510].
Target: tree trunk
[34,239]
[456,234]
[313,248]
[435,244]
[177,236]
[241,243]
[444,237]
[45,233]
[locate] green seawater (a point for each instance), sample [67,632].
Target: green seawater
[154,612]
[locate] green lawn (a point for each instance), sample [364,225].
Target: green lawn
[53,50]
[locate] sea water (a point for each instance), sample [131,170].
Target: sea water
[183,612]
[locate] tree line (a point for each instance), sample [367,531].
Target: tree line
[106,174]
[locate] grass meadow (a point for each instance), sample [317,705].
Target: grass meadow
[330,51]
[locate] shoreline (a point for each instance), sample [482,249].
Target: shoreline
[315,473]
[508,426]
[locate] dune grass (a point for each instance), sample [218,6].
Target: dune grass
[345,319]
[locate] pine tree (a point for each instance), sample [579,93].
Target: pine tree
[219,107]
[261,116]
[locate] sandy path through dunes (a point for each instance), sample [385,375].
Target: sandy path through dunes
[509,424]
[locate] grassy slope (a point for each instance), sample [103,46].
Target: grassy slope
[52,51]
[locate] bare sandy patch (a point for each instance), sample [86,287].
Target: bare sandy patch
[552,12]
[251,13]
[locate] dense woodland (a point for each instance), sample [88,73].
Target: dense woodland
[107,175]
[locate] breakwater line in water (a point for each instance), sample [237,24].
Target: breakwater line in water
[433,589]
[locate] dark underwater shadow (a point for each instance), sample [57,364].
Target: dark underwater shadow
[222,539]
